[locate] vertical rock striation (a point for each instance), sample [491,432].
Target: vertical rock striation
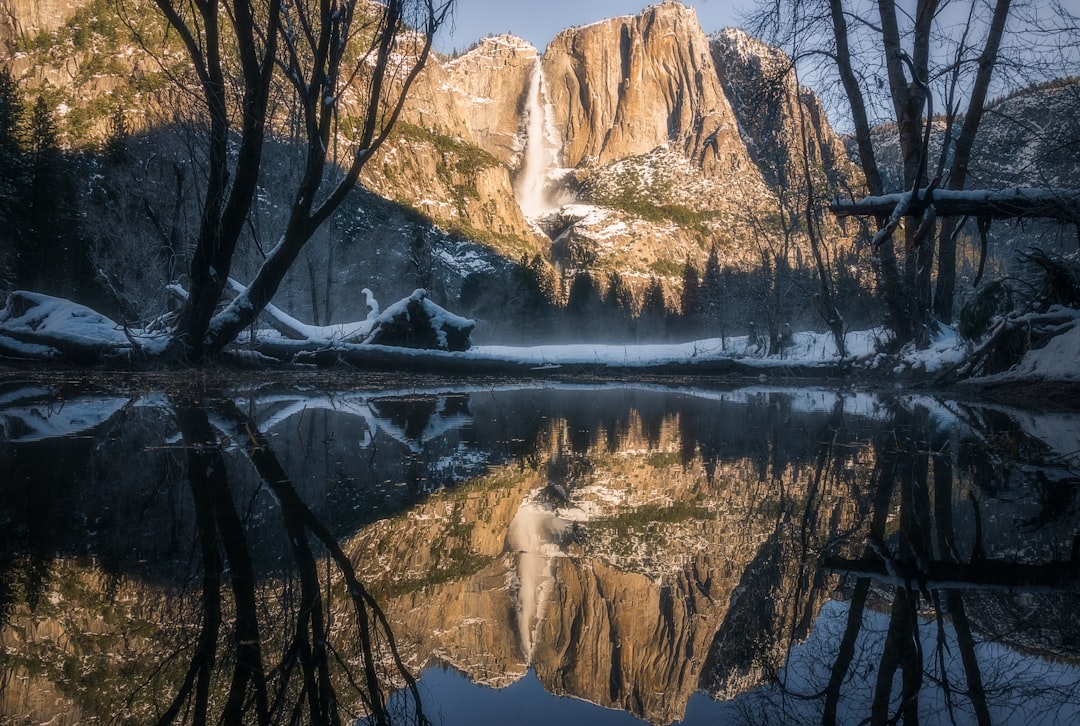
[624,86]
[25,18]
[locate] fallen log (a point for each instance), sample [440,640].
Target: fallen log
[980,574]
[294,329]
[1062,205]
[1010,340]
[37,326]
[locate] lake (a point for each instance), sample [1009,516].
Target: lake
[533,553]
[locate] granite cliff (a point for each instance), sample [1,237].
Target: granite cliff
[633,145]
[20,19]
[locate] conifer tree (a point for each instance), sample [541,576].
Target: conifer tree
[619,307]
[11,117]
[712,295]
[690,301]
[12,169]
[531,303]
[584,306]
[712,285]
[45,183]
[619,297]
[583,298]
[652,320]
[653,302]
[54,254]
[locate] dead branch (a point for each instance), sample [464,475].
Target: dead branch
[1062,205]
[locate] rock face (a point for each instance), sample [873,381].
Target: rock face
[771,106]
[667,141]
[453,156]
[25,18]
[656,144]
[490,83]
[596,608]
[623,87]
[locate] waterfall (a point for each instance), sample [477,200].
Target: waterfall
[533,189]
[533,537]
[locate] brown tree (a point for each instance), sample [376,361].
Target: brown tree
[320,52]
[882,56]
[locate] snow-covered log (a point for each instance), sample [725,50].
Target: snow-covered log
[1030,345]
[294,329]
[37,326]
[1060,204]
[417,322]
[414,322]
[984,574]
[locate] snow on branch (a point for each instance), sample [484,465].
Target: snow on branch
[413,322]
[1060,204]
[292,328]
[417,322]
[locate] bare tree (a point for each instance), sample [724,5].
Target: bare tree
[965,143]
[325,52]
[885,57]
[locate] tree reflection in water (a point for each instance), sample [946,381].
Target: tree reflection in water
[316,662]
[157,565]
[290,556]
[915,569]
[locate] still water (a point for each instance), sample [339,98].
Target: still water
[535,554]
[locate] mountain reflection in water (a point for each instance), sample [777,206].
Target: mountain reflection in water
[762,555]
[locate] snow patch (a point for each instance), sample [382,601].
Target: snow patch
[60,319]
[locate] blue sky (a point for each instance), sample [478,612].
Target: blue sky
[538,20]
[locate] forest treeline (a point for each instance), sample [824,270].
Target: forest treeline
[42,246]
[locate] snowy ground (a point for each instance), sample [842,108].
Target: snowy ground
[63,320]
[808,350]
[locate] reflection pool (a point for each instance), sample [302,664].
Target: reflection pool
[534,553]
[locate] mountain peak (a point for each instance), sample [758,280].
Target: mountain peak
[498,46]
[628,85]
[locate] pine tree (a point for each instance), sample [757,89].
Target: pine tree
[619,308]
[44,154]
[12,169]
[531,303]
[712,294]
[583,299]
[38,238]
[11,117]
[619,297]
[54,255]
[690,301]
[652,321]
[653,303]
[584,307]
[116,146]
[44,139]
[712,286]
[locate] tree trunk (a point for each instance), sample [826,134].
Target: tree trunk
[887,267]
[225,207]
[945,291]
[315,39]
[909,100]
[383,106]
[1062,205]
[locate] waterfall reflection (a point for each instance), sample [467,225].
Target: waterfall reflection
[793,556]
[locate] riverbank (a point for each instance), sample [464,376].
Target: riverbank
[1043,377]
